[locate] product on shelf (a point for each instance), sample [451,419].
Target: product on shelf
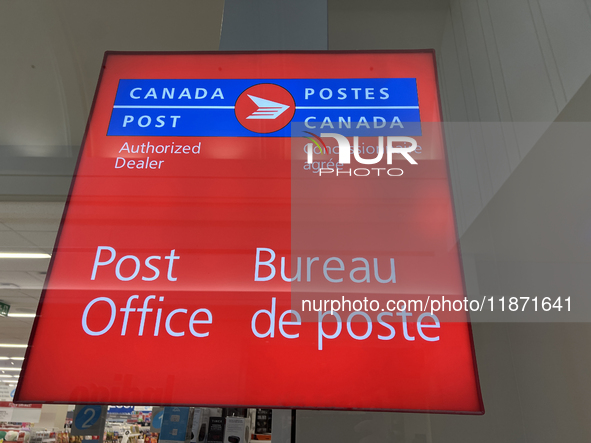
[263,423]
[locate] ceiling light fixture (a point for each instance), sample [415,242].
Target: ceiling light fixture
[12,345]
[22,315]
[23,255]
[11,369]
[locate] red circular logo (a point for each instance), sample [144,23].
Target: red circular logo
[265,108]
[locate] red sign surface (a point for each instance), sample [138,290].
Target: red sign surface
[223,204]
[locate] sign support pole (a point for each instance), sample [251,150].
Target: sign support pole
[246,27]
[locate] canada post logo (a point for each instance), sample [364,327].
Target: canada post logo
[265,108]
[255,107]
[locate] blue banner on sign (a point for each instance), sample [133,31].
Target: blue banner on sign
[174,424]
[157,420]
[87,417]
[224,108]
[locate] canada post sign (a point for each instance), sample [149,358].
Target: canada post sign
[259,230]
[224,108]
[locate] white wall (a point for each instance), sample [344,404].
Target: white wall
[506,61]
[519,187]
[511,61]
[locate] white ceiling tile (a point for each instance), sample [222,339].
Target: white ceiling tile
[14,292]
[8,352]
[34,224]
[39,276]
[12,242]
[17,336]
[22,280]
[24,264]
[18,300]
[31,210]
[23,304]
[41,239]
[33,293]
[16,323]
[31,216]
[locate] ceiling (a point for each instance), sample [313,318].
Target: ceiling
[51,55]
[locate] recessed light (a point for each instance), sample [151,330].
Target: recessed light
[4,285]
[22,315]
[17,358]
[23,255]
[10,369]
[11,345]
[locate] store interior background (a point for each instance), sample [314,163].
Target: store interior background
[521,192]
